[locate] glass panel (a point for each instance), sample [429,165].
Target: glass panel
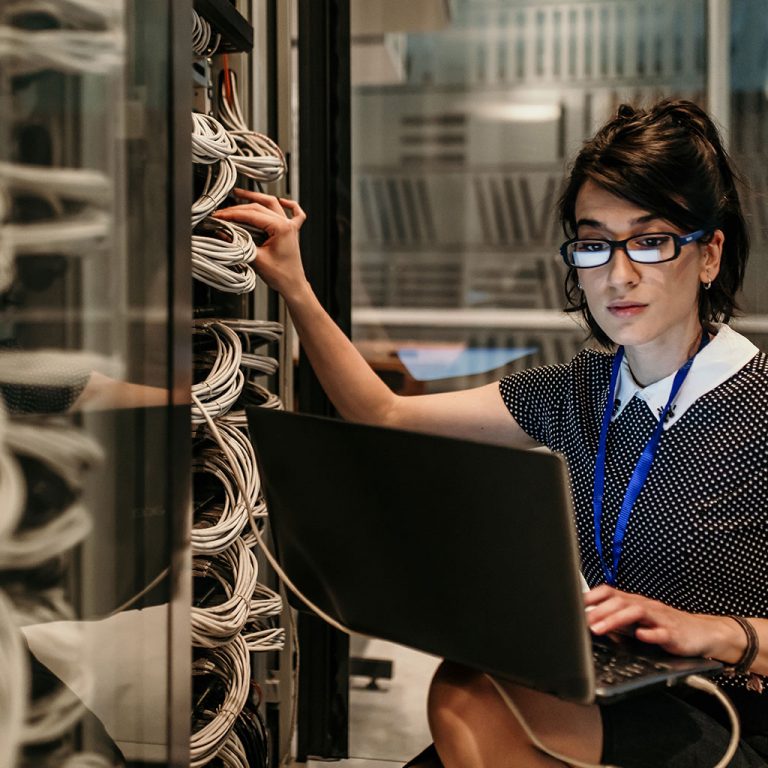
[85,431]
[460,143]
[748,139]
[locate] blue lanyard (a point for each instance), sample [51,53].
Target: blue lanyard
[642,468]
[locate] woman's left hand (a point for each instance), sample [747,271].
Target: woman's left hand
[678,632]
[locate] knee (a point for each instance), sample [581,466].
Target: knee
[454,694]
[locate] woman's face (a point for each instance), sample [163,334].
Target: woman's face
[639,304]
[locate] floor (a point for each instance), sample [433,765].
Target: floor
[389,726]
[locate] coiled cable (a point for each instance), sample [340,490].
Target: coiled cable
[235,573]
[258,156]
[210,140]
[222,259]
[218,185]
[227,666]
[224,380]
[210,534]
[205,42]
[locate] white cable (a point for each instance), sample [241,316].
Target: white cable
[62,49]
[14,686]
[72,13]
[232,753]
[12,486]
[263,364]
[204,41]
[224,380]
[223,261]
[210,140]
[702,684]
[513,708]
[238,278]
[219,624]
[31,547]
[73,234]
[231,664]
[77,184]
[264,330]
[68,453]
[259,157]
[695,681]
[264,640]
[257,534]
[217,187]
[218,528]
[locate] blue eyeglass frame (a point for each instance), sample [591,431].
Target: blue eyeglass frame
[678,240]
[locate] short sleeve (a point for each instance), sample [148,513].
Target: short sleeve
[545,400]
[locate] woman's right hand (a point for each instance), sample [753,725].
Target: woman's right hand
[278,258]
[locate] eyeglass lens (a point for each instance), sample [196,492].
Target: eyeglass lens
[646,249]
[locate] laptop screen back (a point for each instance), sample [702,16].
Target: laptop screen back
[460,549]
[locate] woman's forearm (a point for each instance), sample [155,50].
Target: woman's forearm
[729,642]
[353,387]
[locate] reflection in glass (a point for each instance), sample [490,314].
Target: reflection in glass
[460,142]
[85,479]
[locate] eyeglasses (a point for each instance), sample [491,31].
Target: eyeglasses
[650,248]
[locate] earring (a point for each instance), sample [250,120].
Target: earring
[707,285]
[578,285]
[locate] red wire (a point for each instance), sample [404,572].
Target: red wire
[227,83]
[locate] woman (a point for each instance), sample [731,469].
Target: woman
[656,254]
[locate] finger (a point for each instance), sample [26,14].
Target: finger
[268,201]
[297,212]
[618,620]
[248,214]
[656,635]
[599,593]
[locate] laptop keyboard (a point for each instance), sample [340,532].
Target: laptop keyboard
[614,664]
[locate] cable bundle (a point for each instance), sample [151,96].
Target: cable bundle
[80,185]
[218,528]
[264,330]
[222,259]
[259,157]
[72,233]
[217,186]
[204,41]
[69,50]
[222,673]
[252,394]
[55,456]
[210,140]
[233,572]
[248,742]
[51,458]
[223,381]
[72,13]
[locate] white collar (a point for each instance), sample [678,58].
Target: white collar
[726,354]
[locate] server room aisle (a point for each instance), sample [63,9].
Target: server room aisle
[388,727]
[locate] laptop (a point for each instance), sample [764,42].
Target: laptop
[460,549]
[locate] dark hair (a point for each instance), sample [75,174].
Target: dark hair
[670,161]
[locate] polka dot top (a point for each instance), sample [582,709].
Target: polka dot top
[697,538]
